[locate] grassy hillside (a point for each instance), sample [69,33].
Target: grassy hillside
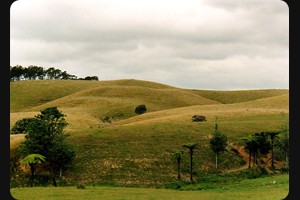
[239,96]
[136,150]
[96,99]
[28,94]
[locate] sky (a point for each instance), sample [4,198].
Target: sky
[196,44]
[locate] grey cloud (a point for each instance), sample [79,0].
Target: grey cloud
[267,6]
[225,41]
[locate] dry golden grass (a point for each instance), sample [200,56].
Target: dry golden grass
[276,102]
[27,94]
[15,116]
[15,140]
[238,96]
[114,96]
[265,106]
[85,103]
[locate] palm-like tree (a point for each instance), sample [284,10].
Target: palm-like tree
[32,160]
[257,144]
[191,147]
[273,136]
[251,146]
[177,156]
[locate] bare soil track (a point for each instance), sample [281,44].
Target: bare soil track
[263,162]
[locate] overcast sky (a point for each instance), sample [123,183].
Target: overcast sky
[199,44]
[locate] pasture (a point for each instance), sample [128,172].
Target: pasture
[136,150]
[269,188]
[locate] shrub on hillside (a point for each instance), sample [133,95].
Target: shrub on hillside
[140,109]
[106,119]
[198,118]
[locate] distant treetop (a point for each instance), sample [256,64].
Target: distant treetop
[32,72]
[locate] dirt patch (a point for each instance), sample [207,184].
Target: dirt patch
[264,162]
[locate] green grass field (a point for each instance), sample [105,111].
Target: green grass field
[136,150]
[268,188]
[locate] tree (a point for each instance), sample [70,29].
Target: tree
[16,72]
[140,109]
[191,147]
[95,78]
[198,118]
[32,160]
[177,156]
[57,73]
[50,72]
[263,143]
[284,141]
[256,144]
[46,136]
[20,125]
[218,143]
[250,146]
[32,72]
[62,155]
[65,75]
[273,136]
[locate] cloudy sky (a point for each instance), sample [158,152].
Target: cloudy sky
[199,44]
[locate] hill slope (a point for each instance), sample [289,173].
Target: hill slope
[135,149]
[118,99]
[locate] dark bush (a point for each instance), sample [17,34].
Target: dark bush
[198,118]
[80,186]
[140,109]
[285,169]
[106,119]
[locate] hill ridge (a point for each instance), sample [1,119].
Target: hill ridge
[135,150]
[37,92]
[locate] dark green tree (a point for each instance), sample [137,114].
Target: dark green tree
[263,143]
[61,155]
[218,142]
[198,118]
[273,135]
[65,76]
[46,136]
[190,147]
[140,109]
[16,73]
[57,73]
[32,72]
[257,144]
[178,156]
[91,78]
[51,73]
[251,146]
[20,125]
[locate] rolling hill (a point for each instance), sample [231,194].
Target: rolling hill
[136,150]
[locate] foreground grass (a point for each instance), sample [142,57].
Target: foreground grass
[267,188]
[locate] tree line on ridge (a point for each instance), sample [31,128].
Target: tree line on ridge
[32,72]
